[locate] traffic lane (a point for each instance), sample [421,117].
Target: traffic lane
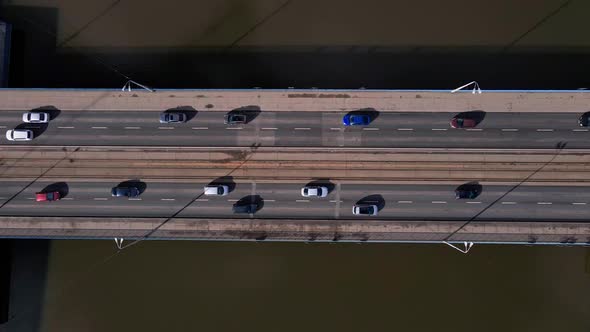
[302,136]
[280,200]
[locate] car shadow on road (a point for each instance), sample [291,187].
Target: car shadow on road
[225,181]
[252,199]
[374,199]
[140,185]
[51,110]
[188,111]
[37,128]
[471,186]
[251,112]
[476,115]
[61,187]
[322,183]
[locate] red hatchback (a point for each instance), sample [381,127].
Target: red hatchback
[458,122]
[48,197]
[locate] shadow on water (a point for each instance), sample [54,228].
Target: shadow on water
[37,62]
[27,284]
[60,187]
[225,181]
[189,111]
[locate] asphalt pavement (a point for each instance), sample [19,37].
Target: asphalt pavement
[305,129]
[283,200]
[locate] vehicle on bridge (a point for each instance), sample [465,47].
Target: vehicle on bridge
[36,117]
[217,190]
[461,122]
[356,120]
[245,207]
[130,192]
[365,210]
[172,117]
[235,118]
[48,196]
[314,191]
[19,135]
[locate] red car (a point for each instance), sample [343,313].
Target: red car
[48,197]
[458,122]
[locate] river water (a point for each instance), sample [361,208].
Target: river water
[214,286]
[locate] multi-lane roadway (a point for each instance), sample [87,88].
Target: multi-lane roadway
[318,129]
[283,200]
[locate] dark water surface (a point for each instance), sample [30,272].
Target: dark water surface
[192,286]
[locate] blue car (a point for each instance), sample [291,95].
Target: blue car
[356,120]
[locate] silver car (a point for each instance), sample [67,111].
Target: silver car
[216,190]
[365,210]
[36,117]
[314,191]
[19,135]
[172,117]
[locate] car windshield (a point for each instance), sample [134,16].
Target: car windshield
[219,190]
[50,196]
[366,210]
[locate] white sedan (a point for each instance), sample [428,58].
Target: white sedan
[365,210]
[313,191]
[19,135]
[36,117]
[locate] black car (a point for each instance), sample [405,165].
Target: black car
[467,192]
[233,118]
[583,120]
[130,192]
[245,207]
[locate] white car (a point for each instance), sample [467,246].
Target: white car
[314,191]
[36,117]
[365,210]
[19,135]
[216,190]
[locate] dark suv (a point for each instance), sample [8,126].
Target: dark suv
[467,191]
[245,207]
[130,192]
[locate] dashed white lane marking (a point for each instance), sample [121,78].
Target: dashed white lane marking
[474,129]
[135,199]
[200,128]
[232,200]
[440,129]
[2,127]
[167,199]
[269,200]
[68,198]
[370,128]
[269,128]
[302,128]
[100,199]
[509,129]
[508,202]
[405,202]
[202,200]
[30,198]
[168,128]
[544,129]
[302,200]
[99,127]
[405,129]
[473,202]
[132,127]
[439,202]
[544,203]
[334,128]
[578,203]
[580,130]
[66,127]
[234,128]
[336,201]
